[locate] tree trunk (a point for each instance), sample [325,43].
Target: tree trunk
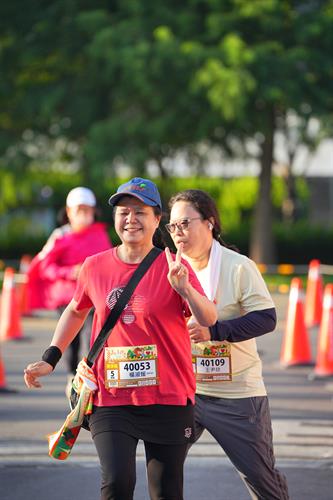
[163,173]
[262,244]
[290,200]
[86,172]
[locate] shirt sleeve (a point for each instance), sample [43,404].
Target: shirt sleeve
[251,289]
[251,325]
[50,268]
[56,234]
[81,295]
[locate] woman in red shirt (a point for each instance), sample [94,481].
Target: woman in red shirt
[53,272]
[157,409]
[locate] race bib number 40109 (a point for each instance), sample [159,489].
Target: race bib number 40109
[212,363]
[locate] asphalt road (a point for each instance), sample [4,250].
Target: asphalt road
[302,415]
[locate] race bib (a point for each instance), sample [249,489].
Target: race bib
[212,362]
[131,366]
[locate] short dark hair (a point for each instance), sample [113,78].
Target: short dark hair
[203,203]
[158,238]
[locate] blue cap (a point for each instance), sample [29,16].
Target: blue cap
[143,189]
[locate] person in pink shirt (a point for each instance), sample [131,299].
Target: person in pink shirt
[129,407]
[53,272]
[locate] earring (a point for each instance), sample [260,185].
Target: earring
[210,226]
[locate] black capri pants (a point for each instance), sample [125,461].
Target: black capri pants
[166,431]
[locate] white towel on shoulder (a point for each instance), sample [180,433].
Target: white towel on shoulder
[209,276]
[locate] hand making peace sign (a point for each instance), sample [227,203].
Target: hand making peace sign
[178,273]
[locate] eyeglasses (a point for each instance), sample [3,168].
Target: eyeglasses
[182,225]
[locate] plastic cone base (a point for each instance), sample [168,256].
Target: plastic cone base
[319,376]
[293,365]
[7,390]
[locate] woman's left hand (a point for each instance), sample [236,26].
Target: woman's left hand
[197,332]
[35,370]
[178,273]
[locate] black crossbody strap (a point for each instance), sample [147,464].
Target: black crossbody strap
[120,305]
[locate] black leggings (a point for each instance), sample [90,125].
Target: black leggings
[117,453]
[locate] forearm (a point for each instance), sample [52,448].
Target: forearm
[55,272]
[203,309]
[251,325]
[68,326]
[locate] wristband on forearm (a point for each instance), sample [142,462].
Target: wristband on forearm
[52,355]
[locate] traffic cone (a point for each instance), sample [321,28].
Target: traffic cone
[314,295]
[10,320]
[22,284]
[324,360]
[296,348]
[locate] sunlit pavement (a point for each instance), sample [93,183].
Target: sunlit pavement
[302,425]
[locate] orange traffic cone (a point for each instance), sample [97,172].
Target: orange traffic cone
[23,285]
[324,361]
[314,295]
[296,347]
[10,321]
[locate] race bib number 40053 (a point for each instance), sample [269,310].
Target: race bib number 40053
[131,366]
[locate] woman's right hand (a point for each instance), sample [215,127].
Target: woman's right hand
[197,332]
[35,370]
[178,272]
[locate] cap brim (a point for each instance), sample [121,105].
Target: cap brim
[114,199]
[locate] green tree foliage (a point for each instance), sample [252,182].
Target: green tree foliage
[132,82]
[270,57]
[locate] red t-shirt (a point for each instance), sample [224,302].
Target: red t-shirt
[155,316]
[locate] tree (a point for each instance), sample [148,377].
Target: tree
[141,82]
[274,57]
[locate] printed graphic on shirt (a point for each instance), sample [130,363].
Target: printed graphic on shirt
[135,305]
[211,361]
[131,366]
